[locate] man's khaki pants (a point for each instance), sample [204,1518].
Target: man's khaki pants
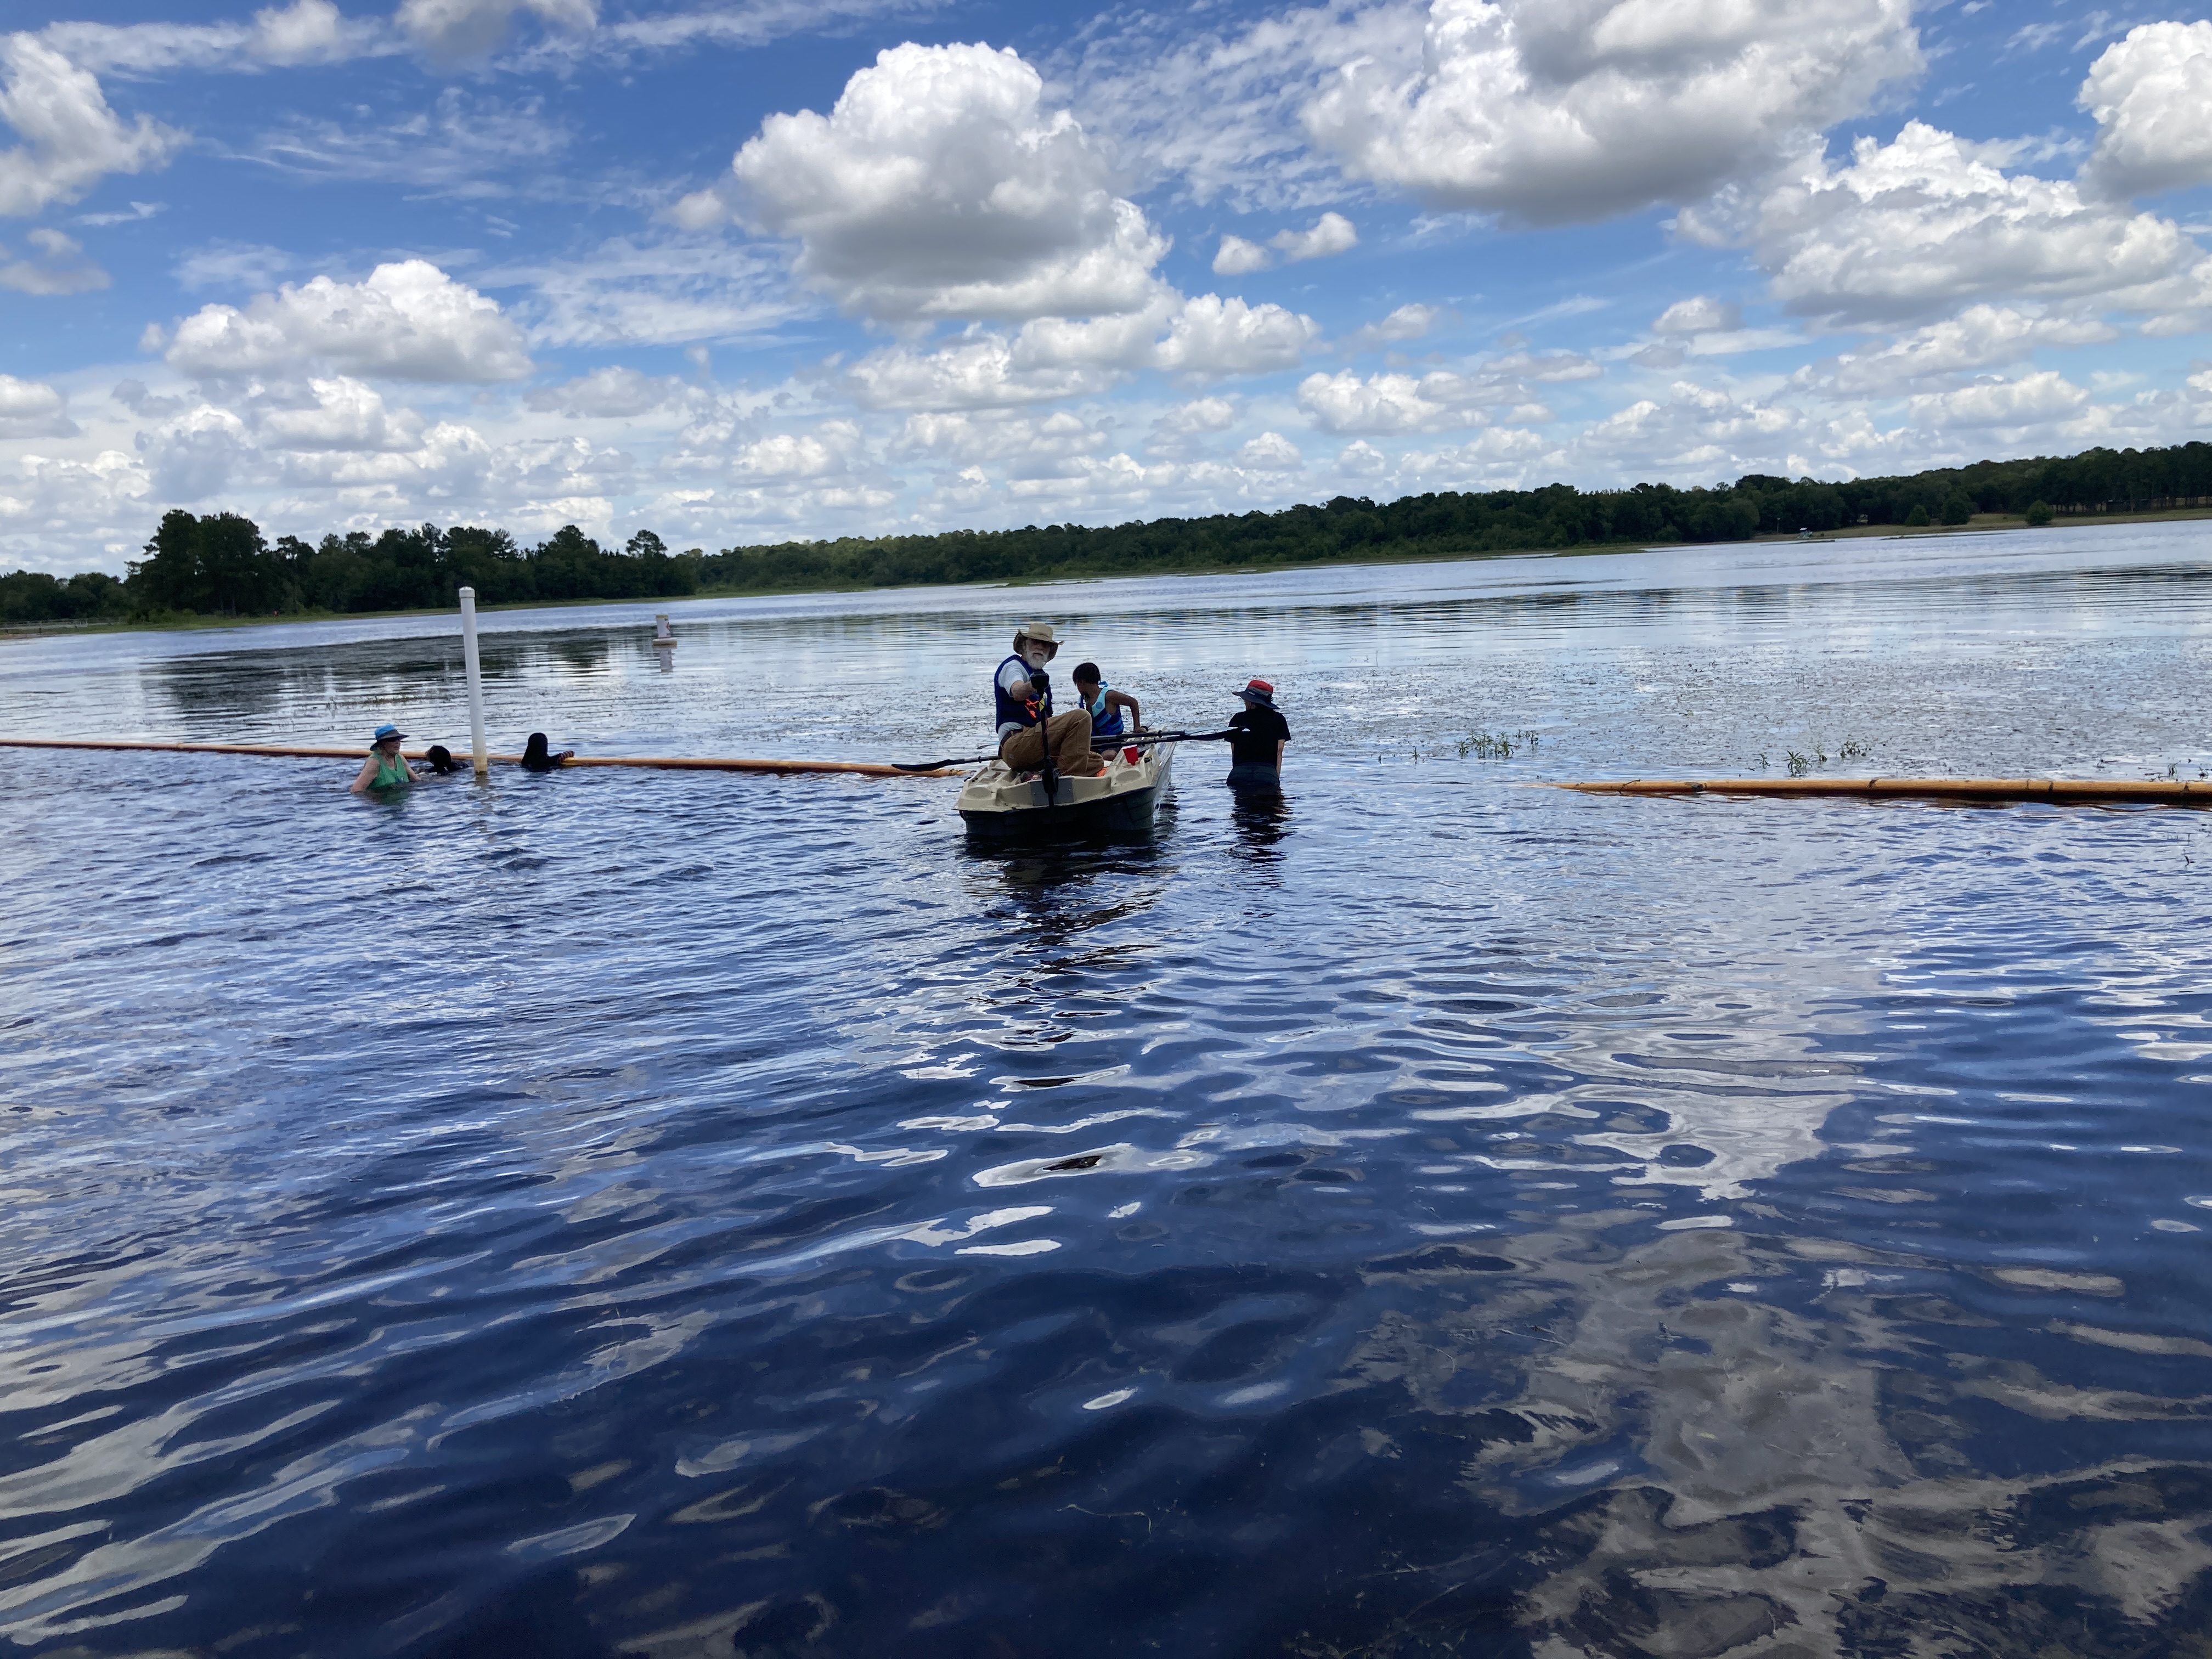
[1069,734]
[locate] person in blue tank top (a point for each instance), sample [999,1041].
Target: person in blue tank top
[1105,704]
[1021,699]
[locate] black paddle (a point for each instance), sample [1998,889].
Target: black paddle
[1118,742]
[939,766]
[1139,739]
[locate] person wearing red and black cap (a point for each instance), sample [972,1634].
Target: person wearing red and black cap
[1255,752]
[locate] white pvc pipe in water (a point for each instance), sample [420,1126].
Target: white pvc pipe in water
[476,750]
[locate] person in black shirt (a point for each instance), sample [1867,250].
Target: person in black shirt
[1255,753]
[538,755]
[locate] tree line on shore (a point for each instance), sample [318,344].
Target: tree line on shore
[220,565]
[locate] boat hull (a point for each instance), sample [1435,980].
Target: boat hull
[999,805]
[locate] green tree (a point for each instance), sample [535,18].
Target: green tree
[218,565]
[207,564]
[168,578]
[33,596]
[2038,513]
[568,563]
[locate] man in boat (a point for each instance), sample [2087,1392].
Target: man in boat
[1021,695]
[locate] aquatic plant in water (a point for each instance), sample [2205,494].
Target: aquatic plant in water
[1498,745]
[1800,762]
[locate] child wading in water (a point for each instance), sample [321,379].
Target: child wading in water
[1105,704]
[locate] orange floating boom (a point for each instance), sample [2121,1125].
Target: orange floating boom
[309,752]
[2058,790]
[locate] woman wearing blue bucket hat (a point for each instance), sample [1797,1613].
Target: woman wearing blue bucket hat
[385,766]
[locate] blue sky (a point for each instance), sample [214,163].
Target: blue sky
[740,273]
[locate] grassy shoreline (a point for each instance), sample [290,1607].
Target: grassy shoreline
[1981,523]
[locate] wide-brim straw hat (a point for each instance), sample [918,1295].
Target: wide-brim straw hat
[1041,633]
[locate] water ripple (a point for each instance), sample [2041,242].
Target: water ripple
[677,1215]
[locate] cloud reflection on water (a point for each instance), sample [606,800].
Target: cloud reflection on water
[563,1205]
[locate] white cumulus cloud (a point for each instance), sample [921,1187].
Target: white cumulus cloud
[1924,223]
[343,414]
[1408,322]
[821,453]
[1329,234]
[1699,315]
[72,139]
[1238,257]
[1007,439]
[2034,400]
[1980,337]
[2152,97]
[346,415]
[1211,336]
[982,370]
[32,408]
[1503,457]
[1552,112]
[1441,400]
[197,453]
[1200,415]
[1435,402]
[1201,337]
[939,187]
[305,32]
[409,321]
[1698,431]
[1271,451]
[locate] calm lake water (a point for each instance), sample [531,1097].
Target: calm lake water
[675,1215]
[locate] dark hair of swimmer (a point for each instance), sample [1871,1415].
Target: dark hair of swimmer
[440,757]
[536,756]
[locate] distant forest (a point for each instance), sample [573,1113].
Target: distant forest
[220,566]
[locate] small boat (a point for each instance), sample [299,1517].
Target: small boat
[1000,804]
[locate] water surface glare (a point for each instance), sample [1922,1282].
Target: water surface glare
[685,1214]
